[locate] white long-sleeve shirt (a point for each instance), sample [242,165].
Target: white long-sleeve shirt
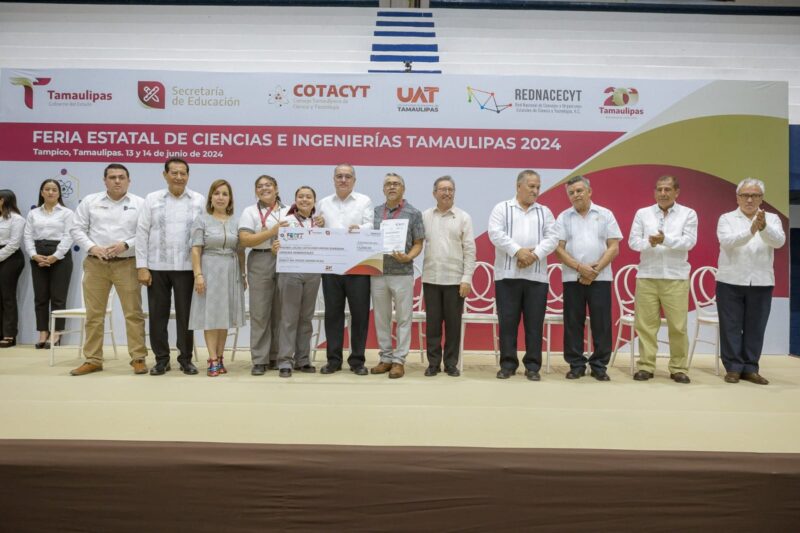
[163,235]
[449,247]
[53,226]
[745,258]
[11,231]
[511,228]
[356,209]
[668,260]
[101,221]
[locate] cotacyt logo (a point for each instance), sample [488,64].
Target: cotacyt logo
[28,85]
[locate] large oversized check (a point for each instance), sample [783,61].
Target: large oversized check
[330,251]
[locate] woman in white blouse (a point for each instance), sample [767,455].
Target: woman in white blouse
[48,242]
[11,264]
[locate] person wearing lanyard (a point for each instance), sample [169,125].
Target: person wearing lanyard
[12,226]
[397,282]
[523,233]
[663,234]
[218,263]
[258,227]
[346,209]
[105,226]
[446,275]
[298,292]
[164,263]
[48,242]
[748,238]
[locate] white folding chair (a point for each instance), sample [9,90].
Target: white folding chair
[705,306]
[417,312]
[80,314]
[480,308]
[319,319]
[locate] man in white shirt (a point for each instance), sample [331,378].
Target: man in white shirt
[447,270]
[588,240]
[748,238]
[523,234]
[164,263]
[663,234]
[352,210]
[105,226]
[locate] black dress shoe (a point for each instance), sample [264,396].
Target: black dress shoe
[8,343]
[643,375]
[160,369]
[600,375]
[258,370]
[680,377]
[533,375]
[329,369]
[307,369]
[432,371]
[285,372]
[188,368]
[359,370]
[576,373]
[504,373]
[452,371]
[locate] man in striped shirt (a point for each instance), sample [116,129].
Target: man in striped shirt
[523,234]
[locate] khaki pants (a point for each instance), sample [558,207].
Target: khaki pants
[673,296]
[98,277]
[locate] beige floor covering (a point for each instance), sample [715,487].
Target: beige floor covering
[42,402]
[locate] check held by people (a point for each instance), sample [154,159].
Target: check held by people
[330,251]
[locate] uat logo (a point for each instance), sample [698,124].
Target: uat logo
[417,95]
[28,85]
[152,94]
[621,97]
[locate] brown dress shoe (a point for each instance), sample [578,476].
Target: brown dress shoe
[139,366]
[754,377]
[680,377]
[382,368]
[86,368]
[398,371]
[732,377]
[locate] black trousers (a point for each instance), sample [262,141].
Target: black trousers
[743,314]
[442,305]
[356,290]
[597,296]
[50,289]
[526,299]
[159,297]
[10,269]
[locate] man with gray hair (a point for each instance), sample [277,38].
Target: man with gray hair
[446,275]
[523,234]
[588,240]
[397,282]
[748,237]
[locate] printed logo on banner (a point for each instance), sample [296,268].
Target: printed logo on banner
[327,97]
[485,100]
[28,84]
[278,97]
[417,99]
[561,100]
[621,102]
[152,94]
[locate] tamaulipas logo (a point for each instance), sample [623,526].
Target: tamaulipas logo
[621,101]
[28,84]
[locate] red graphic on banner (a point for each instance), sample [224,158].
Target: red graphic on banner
[289,145]
[28,85]
[152,94]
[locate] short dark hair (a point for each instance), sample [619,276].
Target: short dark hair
[575,179]
[214,186]
[116,166]
[668,177]
[60,191]
[175,160]
[9,203]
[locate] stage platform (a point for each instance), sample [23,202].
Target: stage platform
[367,453]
